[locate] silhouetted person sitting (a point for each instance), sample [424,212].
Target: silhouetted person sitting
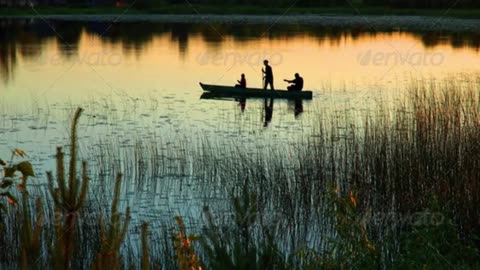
[268,75]
[242,83]
[297,83]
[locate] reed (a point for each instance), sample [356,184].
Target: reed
[109,255]
[145,252]
[68,199]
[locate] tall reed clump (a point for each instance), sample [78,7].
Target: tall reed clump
[31,233]
[109,256]
[446,150]
[68,198]
[31,230]
[242,246]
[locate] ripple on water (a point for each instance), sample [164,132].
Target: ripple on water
[37,127]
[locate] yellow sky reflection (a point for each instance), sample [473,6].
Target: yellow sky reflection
[100,67]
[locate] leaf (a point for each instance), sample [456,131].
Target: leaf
[6,183]
[20,153]
[26,168]
[2,162]
[10,171]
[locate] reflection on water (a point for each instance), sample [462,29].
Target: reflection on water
[268,108]
[29,39]
[294,105]
[243,104]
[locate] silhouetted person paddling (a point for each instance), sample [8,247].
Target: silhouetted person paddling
[297,83]
[268,75]
[242,83]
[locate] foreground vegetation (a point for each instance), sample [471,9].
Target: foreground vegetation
[396,190]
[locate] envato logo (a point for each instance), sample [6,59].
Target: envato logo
[102,58]
[395,58]
[234,58]
[424,218]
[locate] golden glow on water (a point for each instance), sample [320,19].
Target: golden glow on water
[162,66]
[144,88]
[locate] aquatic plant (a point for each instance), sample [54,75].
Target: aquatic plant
[186,256]
[109,255]
[30,237]
[237,248]
[434,242]
[30,230]
[350,247]
[145,252]
[68,198]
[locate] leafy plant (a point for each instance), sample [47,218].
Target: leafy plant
[30,231]
[9,176]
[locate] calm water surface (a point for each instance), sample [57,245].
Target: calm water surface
[138,82]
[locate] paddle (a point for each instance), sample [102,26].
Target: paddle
[263,79]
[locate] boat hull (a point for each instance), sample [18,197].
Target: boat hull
[255,92]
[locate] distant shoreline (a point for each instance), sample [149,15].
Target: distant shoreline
[239,9]
[361,22]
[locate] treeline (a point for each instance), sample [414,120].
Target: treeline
[323,3]
[440,4]
[423,3]
[276,3]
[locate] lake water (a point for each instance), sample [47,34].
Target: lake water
[138,83]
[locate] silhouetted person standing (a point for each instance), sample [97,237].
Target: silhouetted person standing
[297,83]
[242,83]
[268,75]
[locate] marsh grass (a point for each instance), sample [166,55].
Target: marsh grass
[384,167]
[396,158]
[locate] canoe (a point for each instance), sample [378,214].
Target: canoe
[255,92]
